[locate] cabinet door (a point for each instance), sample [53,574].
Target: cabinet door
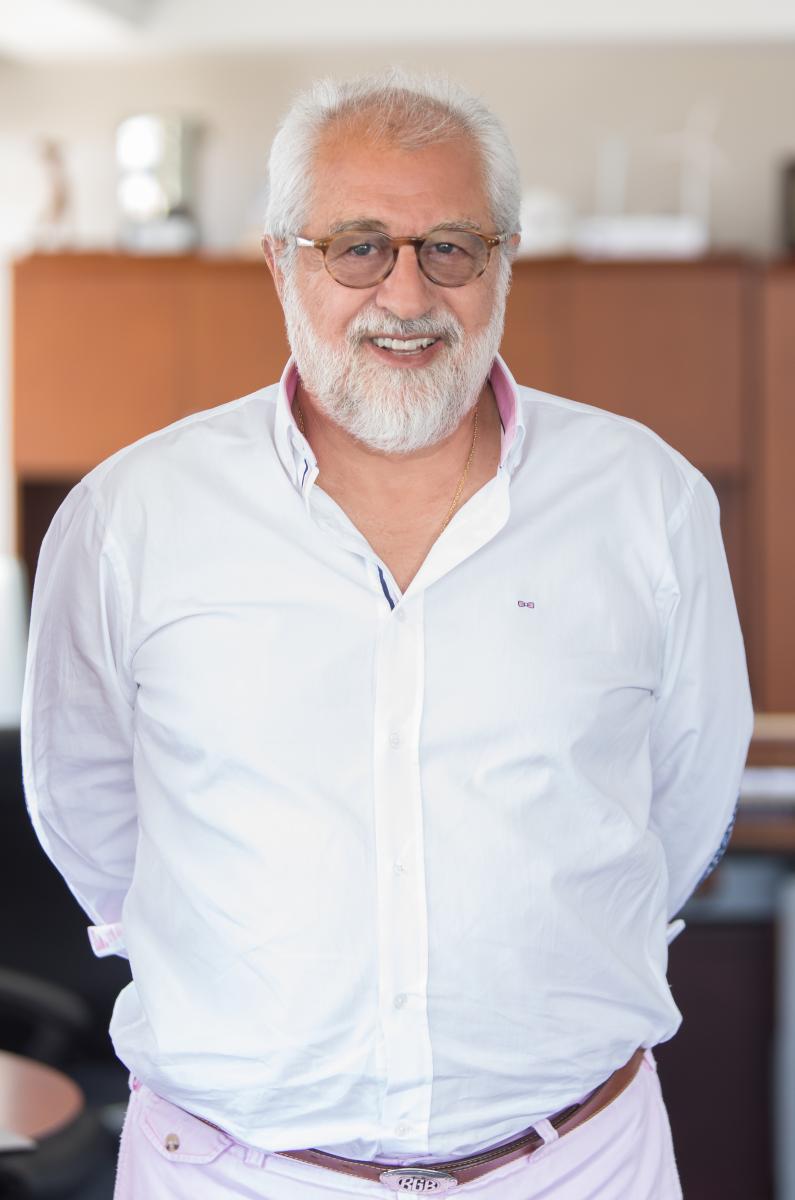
[777,492]
[234,333]
[95,357]
[537,320]
[666,344]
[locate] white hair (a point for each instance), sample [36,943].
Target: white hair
[396,109]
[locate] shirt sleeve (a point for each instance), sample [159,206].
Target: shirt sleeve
[77,711]
[703,715]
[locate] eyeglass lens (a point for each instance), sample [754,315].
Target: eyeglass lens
[361,258]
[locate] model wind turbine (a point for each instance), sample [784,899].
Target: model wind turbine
[614,233]
[700,157]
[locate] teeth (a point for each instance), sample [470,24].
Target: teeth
[403,344]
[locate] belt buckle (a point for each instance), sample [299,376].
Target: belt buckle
[418,1181]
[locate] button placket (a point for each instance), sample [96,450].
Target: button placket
[402,908]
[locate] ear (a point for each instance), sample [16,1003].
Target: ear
[270,248]
[513,243]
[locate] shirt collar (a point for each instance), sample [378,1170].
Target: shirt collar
[506,393]
[291,445]
[296,453]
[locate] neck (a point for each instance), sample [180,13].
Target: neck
[345,464]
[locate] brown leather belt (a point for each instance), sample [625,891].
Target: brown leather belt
[438,1178]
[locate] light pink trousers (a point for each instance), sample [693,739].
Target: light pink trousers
[623,1153]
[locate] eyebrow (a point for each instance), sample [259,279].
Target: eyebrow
[380,227]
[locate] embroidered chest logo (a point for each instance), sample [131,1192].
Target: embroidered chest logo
[526,603]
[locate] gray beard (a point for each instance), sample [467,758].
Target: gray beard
[395,410]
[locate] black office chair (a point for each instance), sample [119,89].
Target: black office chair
[74,1162]
[55,1005]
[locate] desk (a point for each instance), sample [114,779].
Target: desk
[36,1100]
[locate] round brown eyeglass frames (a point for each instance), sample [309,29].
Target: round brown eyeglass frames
[361,258]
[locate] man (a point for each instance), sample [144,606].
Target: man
[385,718]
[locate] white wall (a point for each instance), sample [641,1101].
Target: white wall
[205,22]
[58,29]
[556,101]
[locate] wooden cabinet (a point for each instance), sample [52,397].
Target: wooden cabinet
[233,330]
[667,346]
[536,343]
[94,361]
[109,347]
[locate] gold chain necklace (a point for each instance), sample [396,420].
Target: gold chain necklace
[462,480]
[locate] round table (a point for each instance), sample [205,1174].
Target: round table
[35,1100]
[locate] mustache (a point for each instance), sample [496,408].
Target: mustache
[376,323]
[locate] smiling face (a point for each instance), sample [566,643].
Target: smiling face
[399,364]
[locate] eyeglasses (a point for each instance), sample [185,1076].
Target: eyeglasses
[360,258]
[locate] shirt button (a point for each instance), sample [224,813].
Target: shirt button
[402,1130]
[394,740]
[400,1000]
[399,869]
[400,615]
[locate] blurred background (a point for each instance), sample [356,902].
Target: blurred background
[656,279]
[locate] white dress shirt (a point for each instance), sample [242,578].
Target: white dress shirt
[393,872]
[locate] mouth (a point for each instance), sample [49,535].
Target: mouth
[412,351]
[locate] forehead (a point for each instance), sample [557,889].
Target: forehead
[407,191]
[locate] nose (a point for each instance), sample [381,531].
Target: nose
[405,291]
